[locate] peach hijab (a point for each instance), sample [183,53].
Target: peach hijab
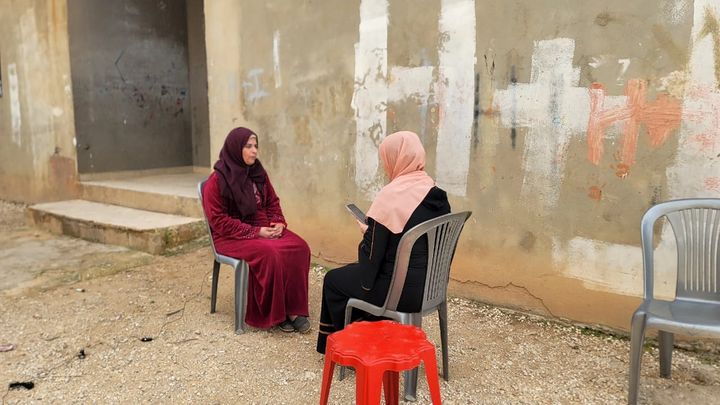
[403,157]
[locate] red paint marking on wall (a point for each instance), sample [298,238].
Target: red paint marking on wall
[712,183]
[660,117]
[622,170]
[595,193]
[706,142]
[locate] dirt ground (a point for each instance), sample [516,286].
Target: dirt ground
[77,317]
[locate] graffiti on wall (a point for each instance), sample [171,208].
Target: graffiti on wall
[694,172]
[550,107]
[660,118]
[253,87]
[554,109]
[276,59]
[376,85]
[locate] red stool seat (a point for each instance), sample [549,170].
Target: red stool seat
[379,351]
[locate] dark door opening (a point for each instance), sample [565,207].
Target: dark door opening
[131,82]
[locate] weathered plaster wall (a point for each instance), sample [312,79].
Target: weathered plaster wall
[37,155]
[222,34]
[557,123]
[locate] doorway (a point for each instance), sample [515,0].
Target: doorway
[139,82]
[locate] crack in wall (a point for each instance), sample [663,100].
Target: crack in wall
[506,286]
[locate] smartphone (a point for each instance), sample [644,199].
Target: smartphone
[357,213]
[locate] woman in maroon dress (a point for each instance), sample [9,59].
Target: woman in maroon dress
[247,223]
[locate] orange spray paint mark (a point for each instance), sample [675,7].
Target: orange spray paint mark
[660,117]
[595,193]
[712,184]
[706,142]
[622,170]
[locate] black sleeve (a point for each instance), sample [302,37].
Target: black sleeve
[371,252]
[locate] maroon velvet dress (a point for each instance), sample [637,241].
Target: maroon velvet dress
[278,281]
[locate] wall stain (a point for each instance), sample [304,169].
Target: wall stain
[513,128]
[62,175]
[664,38]
[603,19]
[528,241]
[595,193]
[476,108]
[301,125]
[712,27]
[656,195]
[712,183]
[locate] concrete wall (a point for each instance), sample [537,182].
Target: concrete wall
[130,83]
[197,66]
[37,155]
[557,123]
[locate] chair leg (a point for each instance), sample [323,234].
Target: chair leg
[411,376]
[637,336]
[341,373]
[348,319]
[213,292]
[442,316]
[666,340]
[241,286]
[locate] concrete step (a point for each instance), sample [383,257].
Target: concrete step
[147,231]
[168,193]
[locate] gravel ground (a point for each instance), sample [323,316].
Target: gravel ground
[11,216]
[81,343]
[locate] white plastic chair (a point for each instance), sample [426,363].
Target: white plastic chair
[241,275]
[442,233]
[695,311]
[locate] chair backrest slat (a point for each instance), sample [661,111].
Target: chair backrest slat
[442,236]
[207,223]
[696,226]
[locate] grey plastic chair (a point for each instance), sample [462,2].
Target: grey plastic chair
[696,309]
[241,275]
[442,233]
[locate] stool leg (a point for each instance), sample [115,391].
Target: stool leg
[391,384]
[432,375]
[327,380]
[368,385]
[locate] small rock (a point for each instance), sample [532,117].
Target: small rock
[7,347]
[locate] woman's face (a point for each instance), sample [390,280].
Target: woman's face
[250,151]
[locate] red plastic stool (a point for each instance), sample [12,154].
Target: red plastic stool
[379,351]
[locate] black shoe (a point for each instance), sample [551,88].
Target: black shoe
[301,324]
[286,326]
